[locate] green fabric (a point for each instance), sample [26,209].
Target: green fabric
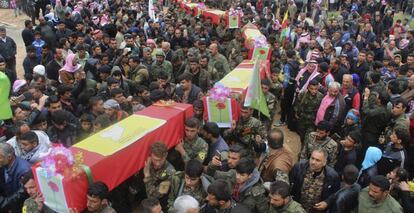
[5,109]
[254,96]
[88,173]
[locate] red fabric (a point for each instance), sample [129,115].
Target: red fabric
[195,11]
[356,102]
[188,9]
[264,68]
[215,19]
[115,169]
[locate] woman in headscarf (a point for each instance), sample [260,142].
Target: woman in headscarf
[369,166]
[66,74]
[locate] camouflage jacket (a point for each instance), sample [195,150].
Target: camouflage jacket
[306,106]
[246,131]
[156,68]
[251,194]
[221,64]
[30,206]
[291,207]
[158,184]
[233,44]
[204,79]
[139,75]
[196,149]
[271,101]
[402,122]
[178,188]
[329,145]
[234,60]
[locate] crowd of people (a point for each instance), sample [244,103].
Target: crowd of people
[341,77]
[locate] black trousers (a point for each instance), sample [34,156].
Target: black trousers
[11,64]
[286,103]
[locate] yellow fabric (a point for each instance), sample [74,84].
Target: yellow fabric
[252,33]
[120,135]
[239,78]
[285,18]
[191,5]
[217,12]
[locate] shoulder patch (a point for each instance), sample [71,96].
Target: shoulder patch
[202,155]
[257,190]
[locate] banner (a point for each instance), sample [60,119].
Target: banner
[261,53]
[233,21]
[5,109]
[254,95]
[52,190]
[221,113]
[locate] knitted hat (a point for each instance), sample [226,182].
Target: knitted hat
[18,84]
[111,104]
[354,115]
[39,69]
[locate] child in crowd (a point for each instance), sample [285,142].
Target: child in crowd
[86,121]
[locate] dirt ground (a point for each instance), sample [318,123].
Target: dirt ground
[14,26]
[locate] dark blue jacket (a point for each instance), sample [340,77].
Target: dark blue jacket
[10,178]
[12,193]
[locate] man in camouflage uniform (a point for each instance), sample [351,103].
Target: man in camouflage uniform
[305,107]
[235,43]
[192,146]
[235,58]
[270,101]
[194,52]
[222,28]
[160,65]
[321,140]
[178,67]
[248,131]
[138,73]
[157,173]
[398,119]
[201,77]
[191,182]
[204,64]
[247,188]
[312,181]
[218,61]
[182,14]
[147,59]
[275,84]
[280,200]
[34,203]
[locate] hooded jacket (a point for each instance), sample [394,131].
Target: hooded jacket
[34,155]
[251,193]
[369,165]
